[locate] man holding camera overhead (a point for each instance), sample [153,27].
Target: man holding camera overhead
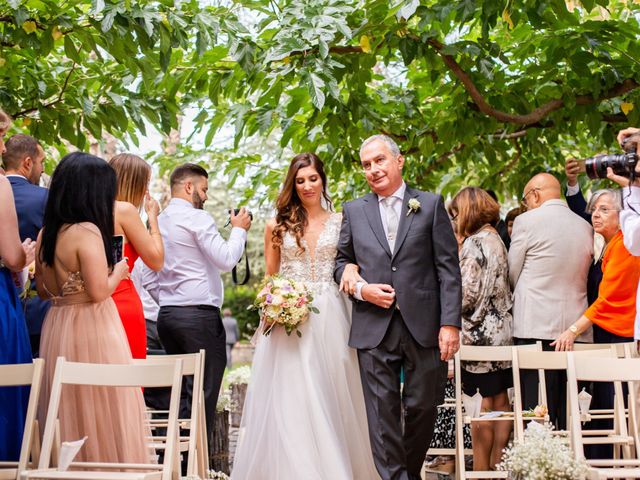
[629,140]
[189,288]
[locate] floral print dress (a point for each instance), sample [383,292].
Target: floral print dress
[486,296]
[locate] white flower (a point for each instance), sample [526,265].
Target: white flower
[413,205]
[224,402]
[239,375]
[543,456]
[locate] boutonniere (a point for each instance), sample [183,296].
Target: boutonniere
[413,206]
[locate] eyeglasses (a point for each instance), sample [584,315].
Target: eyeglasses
[523,200]
[604,211]
[453,219]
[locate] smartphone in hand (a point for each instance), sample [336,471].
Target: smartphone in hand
[117,248]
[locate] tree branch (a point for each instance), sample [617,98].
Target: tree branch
[9,19]
[514,161]
[537,114]
[52,103]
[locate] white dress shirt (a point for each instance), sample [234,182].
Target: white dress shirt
[194,255]
[630,226]
[573,189]
[149,305]
[399,193]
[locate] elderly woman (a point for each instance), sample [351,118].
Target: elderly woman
[613,313]
[486,320]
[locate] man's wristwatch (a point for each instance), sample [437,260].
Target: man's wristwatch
[573,329]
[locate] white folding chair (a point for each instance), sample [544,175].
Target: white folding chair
[481,354]
[196,443]
[618,371]
[543,361]
[70,373]
[22,375]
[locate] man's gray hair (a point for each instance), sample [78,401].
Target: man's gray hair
[393,146]
[615,194]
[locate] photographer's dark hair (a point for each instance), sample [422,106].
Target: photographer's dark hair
[83,189]
[291,216]
[187,170]
[473,208]
[19,147]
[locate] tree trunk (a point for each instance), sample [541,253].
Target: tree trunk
[238,394]
[220,443]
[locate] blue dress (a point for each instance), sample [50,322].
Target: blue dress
[14,348]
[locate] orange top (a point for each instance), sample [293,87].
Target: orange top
[615,308]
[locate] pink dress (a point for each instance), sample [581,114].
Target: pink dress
[111,417]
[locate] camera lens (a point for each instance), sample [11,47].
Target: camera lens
[596,167]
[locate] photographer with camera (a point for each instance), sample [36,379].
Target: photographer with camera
[629,140]
[189,288]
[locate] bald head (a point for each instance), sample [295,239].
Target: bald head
[539,189]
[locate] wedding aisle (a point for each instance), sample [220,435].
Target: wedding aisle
[243,355]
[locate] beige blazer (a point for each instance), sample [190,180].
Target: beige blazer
[549,258]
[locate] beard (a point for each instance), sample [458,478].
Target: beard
[197,201]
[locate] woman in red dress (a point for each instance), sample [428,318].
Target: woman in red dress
[133,175]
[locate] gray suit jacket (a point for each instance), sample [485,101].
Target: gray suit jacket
[551,251]
[424,269]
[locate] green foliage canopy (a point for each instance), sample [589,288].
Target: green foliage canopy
[481,92]
[476,91]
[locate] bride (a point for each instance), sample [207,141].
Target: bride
[304,415]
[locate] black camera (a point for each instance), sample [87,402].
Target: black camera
[236,211]
[623,164]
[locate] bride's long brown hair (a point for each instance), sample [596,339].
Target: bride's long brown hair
[291,215]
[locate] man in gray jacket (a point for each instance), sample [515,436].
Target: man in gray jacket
[407,317]
[551,250]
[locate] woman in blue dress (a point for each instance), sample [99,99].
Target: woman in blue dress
[14,338]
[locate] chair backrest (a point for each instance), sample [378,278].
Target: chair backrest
[25,374]
[613,369]
[620,348]
[71,373]
[192,364]
[475,353]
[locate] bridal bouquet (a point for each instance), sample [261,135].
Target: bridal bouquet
[285,302]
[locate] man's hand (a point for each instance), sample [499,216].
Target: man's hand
[448,341]
[619,179]
[241,220]
[379,294]
[350,278]
[627,132]
[571,169]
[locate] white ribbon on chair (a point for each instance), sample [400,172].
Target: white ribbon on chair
[68,452]
[472,405]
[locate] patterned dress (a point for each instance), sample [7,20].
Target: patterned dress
[486,296]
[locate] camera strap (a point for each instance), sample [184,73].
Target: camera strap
[247,270]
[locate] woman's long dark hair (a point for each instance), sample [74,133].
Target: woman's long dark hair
[291,216]
[83,189]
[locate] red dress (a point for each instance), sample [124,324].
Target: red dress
[130,309]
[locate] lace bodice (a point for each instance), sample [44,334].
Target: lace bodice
[312,267]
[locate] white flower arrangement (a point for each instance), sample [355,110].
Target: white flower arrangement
[217,475]
[413,205]
[239,375]
[224,402]
[542,456]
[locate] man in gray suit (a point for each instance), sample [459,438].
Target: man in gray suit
[551,251]
[407,315]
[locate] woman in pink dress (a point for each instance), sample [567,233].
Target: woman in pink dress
[133,175]
[74,268]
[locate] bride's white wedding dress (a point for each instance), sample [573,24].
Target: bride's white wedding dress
[304,416]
